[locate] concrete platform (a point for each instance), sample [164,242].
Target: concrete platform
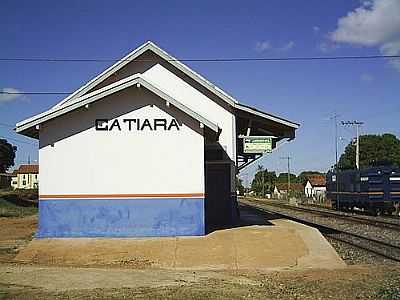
[273,244]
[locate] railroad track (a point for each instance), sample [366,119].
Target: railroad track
[374,246]
[373,222]
[357,215]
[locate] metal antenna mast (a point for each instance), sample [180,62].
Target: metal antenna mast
[356,124]
[334,118]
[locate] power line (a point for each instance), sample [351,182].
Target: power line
[243,59]
[7,125]
[34,93]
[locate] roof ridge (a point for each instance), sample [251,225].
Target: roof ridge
[149,45]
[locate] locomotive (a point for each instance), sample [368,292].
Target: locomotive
[374,189]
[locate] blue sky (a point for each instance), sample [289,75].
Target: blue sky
[305,92]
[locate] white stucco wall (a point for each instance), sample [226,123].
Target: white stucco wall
[198,102]
[319,189]
[77,159]
[14,182]
[25,181]
[311,191]
[308,189]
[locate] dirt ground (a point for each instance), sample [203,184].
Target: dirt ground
[14,234]
[33,281]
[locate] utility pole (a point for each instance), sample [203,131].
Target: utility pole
[357,125]
[288,171]
[334,117]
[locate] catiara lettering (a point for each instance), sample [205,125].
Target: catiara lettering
[137,124]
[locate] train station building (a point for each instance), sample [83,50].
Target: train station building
[146,148]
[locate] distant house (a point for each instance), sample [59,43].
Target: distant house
[25,177]
[315,186]
[280,189]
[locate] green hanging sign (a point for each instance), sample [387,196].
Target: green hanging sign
[257,144]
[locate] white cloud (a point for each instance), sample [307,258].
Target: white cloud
[392,48]
[365,77]
[376,23]
[263,46]
[287,46]
[316,29]
[9,97]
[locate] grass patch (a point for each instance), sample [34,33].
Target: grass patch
[17,204]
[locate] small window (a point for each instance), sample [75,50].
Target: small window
[24,182]
[23,176]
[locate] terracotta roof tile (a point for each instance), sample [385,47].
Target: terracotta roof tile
[293,186]
[28,169]
[316,180]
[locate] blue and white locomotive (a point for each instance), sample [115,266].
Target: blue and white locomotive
[374,189]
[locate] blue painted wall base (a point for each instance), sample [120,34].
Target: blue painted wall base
[121,217]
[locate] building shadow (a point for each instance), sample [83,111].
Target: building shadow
[248,216]
[27,201]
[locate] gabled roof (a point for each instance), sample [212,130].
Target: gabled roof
[78,97]
[136,79]
[28,169]
[180,66]
[132,56]
[282,186]
[316,180]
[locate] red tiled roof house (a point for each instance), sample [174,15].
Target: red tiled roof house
[25,177]
[315,186]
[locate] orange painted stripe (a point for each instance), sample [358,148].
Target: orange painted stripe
[108,196]
[395,193]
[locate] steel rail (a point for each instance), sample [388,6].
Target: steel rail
[335,234]
[376,223]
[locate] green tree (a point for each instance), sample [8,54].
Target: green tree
[239,186]
[374,150]
[258,181]
[7,155]
[283,178]
[302,176]
[263,178]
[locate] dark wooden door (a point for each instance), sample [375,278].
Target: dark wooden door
[218,203]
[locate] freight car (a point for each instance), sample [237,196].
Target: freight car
[374,189]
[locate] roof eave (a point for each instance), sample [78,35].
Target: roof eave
[28,127]
[106,73]
[264,115]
